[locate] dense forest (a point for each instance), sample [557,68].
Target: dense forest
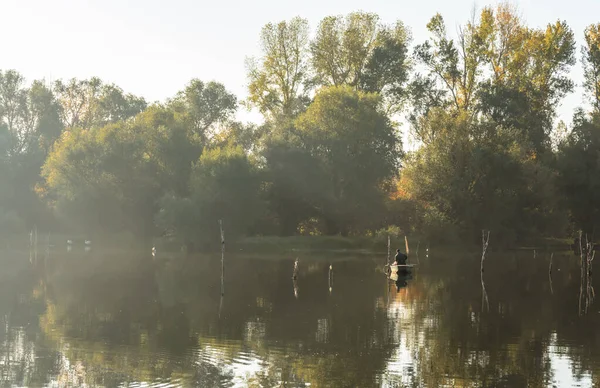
[85,156]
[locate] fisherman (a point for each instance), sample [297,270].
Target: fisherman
[400,258]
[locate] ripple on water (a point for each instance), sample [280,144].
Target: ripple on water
[235,365]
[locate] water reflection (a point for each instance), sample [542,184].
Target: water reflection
[123,319]
[400,278]
[485,303]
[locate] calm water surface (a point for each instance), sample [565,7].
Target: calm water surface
[106,319]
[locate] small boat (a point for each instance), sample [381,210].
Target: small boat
[396,267]
[401,268]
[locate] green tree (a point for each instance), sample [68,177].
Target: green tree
[225,186]
[104,180]
[530,73]
[9,219]
[591,64]
[112,177]
[359,51]
[30,118]
[578,167]
[91,103]
[278,80]
[42,113]
[204,106]
[457,66]
[13,97]
[498,67]
[475,176]
[295,183]
[358,150]
[114,105]
[109,179]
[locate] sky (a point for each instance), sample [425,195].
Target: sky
[154,48]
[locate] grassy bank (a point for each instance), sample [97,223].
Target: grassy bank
[274,244]
[379,245]
[320,243]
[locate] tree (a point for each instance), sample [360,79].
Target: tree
[500,68]
[30,117]
[342,47]
[42,113]
[224,186]
[530,73]
[479,175]
[278,81]
[112,177]
[295,183]
[591,64]
[101,179]
[457,67]
[114,105]
[578,167]
[91,103]
[77,99]
[205,106]
[9,219]
[360,52]
[358,150]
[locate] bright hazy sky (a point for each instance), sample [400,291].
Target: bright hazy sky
[153,48]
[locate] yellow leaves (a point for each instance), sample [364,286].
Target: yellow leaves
[402,190]
[532,156]
[591,64]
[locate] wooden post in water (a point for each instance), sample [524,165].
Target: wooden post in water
[295,278]
[31,246]
[484,297]
[295,273]
[331,277]
[580,247]
[484,242]
[389,252]
[222,257]
[550,273]
[47,251]
[35,251]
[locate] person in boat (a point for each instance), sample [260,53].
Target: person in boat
[400,258]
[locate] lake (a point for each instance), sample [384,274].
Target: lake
[125,319]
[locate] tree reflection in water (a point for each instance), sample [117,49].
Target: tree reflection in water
[121,319]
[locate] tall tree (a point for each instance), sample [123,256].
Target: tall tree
[500,68]
[114,105]
[13,99]
[204,106]
[359,51]
[476,175]
[342,46]
[578,168]
[91,103]
[30,118]
[42,117]
[591,64]
[456,66]
[278,80]
[78,100]
[105,179]
[224,186]
[295,182]
[358,150]
[530,70]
